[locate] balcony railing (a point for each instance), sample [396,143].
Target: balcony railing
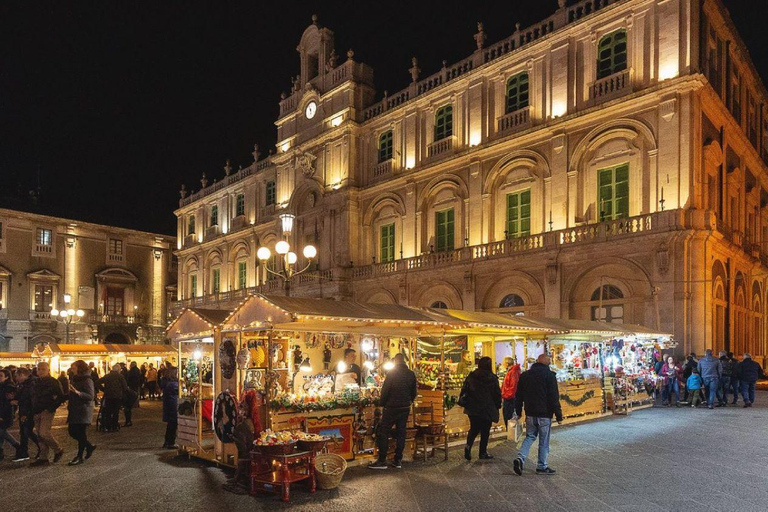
[39,316]
[114,259]
[382,170]
[190,240]
[95,318]
[211,232]
[611,87]
[515,121]
[440,147]
[44,249]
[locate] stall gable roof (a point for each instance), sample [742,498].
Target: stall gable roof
[349,310]
[483,320]
[196,320]
[256,311]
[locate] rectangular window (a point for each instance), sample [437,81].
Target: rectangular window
[735,94]
[239,205]
[115,301]
[613,192]
[271,193]
[191,225]
[517,92]
[43,298]
[242,275]
[387,241]
[193,285]
[44,236]
[385,146]
[612,54]
[115,246]
[2,304]
[214,215]
[216,281]
[519,214]
[444,230]
[444,122]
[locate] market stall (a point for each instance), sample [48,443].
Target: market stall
[103,356]
[17,359]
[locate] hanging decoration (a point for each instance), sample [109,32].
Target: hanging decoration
[227,358]
[575,403]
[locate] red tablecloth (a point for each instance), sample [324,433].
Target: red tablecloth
[208,409]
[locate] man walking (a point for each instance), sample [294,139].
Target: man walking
[25,383]
[735,383]
[397,395]
[114,386]
[711,370]
[47,396]
[537,392]
[750,371]
[725,380]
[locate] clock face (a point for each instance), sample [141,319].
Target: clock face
[311,110]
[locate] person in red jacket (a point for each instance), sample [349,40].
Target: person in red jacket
[509,388]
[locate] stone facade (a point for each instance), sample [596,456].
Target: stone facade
[118,277]
[608,162]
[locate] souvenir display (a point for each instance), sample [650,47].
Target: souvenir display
[243,358]
[224,416]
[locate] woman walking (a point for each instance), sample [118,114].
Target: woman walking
[170,389]
[481,402]
[80,411]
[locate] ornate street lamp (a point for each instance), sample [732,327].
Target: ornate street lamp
[67,315]
[287,270]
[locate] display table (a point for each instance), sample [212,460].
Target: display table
[295,467]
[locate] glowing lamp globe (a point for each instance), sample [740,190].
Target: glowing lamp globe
[310,252]
[54,312]
[263,253]
[291,258]
[282,247]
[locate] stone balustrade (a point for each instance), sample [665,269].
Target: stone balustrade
[228,180]
[382,170]
[440,147]
[611,86]
[515,121]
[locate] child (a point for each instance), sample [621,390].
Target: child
[693,385]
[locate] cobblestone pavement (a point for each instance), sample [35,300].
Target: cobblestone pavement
[655,459]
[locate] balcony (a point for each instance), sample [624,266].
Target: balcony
[95,318]
[40,316]
[515,121]
[382,170]
[610,87]
[440,147]
[43,250]
[115,259]
[211,232]
[238,222]
[190,240]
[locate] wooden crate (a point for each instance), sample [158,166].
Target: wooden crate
[581,397]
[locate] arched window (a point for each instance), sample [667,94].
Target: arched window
[517,92]
[512,300]
[609,308]
[444,122]
[385,146]
[610,292]
[612,54]
[439,305]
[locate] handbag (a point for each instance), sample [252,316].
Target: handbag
[462,401]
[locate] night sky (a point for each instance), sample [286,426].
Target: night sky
[112,105]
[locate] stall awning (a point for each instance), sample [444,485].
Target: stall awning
[103,350]
[478,322]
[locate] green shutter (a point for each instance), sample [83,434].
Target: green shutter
[385,146]
[214,215]
[612,54]
[519,214]
[444,230]
[387,241]
[444,122]
[242,275]
[517,92]
[193,285]
[613,192]
[271,193]
[216,280]
[191,226]
[240,205]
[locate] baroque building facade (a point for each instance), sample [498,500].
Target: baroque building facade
[119,278]
[607,163]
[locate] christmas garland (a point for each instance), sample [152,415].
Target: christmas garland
[575,403]
[449,401]
[309,404]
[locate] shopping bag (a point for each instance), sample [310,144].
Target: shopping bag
[514,429]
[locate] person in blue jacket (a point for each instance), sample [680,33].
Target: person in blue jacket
[693,387]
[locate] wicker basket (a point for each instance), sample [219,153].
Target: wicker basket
[329,470]
[275,449]
[312,446]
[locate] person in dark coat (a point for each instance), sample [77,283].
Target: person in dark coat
[170,389]
[47,396]
[7,394]
[25,381]
[538,394]
[64,382]
[482,403]
[735,382]
[397,395]
[132,393]
[114,387]
[749,372]
[80,411]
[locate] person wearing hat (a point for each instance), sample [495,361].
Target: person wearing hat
[749,372]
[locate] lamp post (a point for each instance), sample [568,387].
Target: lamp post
[67,315]
[287,270]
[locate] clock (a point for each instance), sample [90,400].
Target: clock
[311,110]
